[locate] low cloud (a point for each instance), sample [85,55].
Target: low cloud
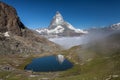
[90,38]
[68,42]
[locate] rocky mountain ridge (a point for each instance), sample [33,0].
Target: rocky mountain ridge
[16,38]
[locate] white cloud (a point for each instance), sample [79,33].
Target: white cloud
[68,42]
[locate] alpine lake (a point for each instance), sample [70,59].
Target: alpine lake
[48,64]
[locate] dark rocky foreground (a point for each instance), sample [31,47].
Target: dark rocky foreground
[16,38]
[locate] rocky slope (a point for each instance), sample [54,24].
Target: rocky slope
[60,28]
[16,38]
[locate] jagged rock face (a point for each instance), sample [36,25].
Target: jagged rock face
[9,21]
[16,38]
[57,20]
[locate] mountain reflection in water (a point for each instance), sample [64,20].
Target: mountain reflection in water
[48,63]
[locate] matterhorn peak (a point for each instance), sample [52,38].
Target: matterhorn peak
[59,27]
[56,21]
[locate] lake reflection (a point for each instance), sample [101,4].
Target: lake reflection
[47,64]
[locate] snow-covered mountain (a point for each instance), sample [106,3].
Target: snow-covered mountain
[115,26]
[59,27]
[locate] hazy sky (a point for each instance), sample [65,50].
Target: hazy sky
[80,13]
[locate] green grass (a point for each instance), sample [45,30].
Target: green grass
[3,74]
[76,70]
[26,61]
[99,68]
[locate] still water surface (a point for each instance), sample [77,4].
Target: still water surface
[47,64]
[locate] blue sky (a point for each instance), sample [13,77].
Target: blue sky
[80,13]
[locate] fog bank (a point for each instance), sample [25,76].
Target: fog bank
[91,37]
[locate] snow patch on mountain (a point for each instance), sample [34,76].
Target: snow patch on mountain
[76,30]
[6,34]
[58,29]
[115,26]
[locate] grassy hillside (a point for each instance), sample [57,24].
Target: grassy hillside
[99,68]
[94,61]
[99,60]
